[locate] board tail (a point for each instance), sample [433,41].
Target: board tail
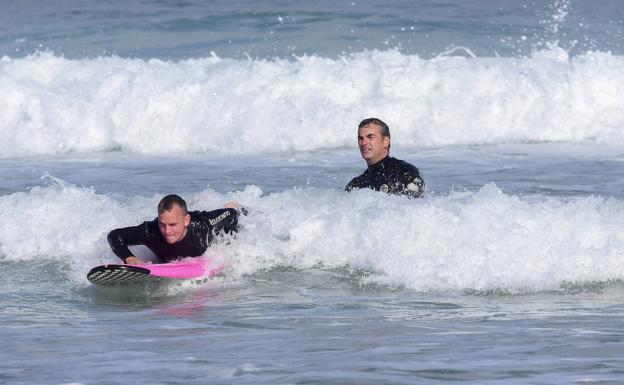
[114,274]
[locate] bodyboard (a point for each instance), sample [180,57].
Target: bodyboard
[115,274]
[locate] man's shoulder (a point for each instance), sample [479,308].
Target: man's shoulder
[403,165]
[195,214]
[403,169]
[149,225]
[362,176]
[199,216]
[407,178]
[358,182]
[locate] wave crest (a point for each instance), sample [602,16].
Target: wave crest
[52,105]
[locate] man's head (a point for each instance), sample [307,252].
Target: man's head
[173,218]
[373,140]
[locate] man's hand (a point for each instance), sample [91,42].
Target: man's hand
[237,207]
[231,205]
[132,260]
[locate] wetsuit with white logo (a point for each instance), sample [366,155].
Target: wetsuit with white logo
[201,231]
[391,176]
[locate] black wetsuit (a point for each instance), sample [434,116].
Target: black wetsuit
[392,176]
[199,235]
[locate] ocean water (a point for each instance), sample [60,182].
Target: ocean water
[509,271]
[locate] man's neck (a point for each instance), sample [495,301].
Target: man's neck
[377,162]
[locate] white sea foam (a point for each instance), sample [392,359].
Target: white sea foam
[52,105]
[484,240]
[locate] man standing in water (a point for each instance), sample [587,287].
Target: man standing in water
[384,173]
[175,233]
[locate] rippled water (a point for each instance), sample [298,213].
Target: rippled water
[509,271]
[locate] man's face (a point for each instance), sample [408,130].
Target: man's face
[173,224]
[373,146]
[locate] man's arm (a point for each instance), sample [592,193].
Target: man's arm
[120,239]
[221,220]
[412,183]
[357,183]
[351,186]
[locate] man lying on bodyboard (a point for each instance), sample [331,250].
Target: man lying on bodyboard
[176,233]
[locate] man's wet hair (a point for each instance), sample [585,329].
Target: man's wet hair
[385,130]
[166,204]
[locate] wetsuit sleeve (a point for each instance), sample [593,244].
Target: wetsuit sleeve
[120,239]
[351,185]
[221,221]
[412,182]
[356,183]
